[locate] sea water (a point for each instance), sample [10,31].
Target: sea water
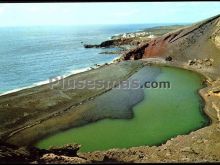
[29,56]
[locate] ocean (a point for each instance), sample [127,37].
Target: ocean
[29,56]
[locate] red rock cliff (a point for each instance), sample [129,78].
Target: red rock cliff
[200,40]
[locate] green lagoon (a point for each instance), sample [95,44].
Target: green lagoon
[163,114]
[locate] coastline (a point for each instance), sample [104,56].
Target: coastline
[73,72]
[68,105]
[183,148]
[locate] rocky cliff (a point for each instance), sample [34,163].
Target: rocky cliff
[198,41]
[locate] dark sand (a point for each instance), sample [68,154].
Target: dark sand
[30,114]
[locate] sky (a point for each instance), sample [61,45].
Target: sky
[44,14]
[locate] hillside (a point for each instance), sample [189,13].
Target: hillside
[200,41]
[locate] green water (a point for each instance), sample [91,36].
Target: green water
[163,114]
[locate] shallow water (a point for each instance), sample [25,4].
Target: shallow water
[164,113]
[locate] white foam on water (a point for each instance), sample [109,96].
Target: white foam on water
[16,90]
[72,72]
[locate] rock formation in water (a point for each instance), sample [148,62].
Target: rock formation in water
[114,43]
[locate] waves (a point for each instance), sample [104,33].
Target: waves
[68,73]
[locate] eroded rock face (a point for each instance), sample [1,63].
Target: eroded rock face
[183,44]
[67,150]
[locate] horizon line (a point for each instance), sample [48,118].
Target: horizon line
[170,23]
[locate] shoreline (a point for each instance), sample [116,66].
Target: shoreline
[130,67]
[74,72]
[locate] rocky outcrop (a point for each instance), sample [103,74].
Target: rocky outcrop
[67,150]
[111,43]
[14,154]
